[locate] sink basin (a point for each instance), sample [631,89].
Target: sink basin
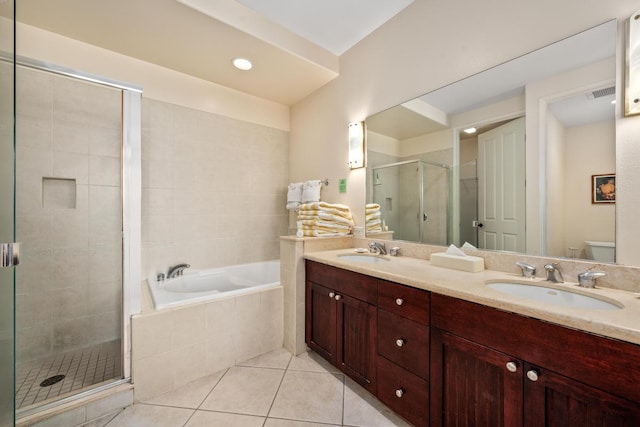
[369,259]
[555,296]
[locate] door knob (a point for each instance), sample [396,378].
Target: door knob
[400,342]
[332,294]
[512,366]
[399,301]
[400,392]
[533,375]
[338,297]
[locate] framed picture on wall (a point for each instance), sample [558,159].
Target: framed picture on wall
[603,188]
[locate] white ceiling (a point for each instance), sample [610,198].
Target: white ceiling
[336,25]
[201,37]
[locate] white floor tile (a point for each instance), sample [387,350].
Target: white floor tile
[142,415]
[219,419]
[311,362]
[190,395]
[309,396]
[245,390]
[361,409]
[277,359]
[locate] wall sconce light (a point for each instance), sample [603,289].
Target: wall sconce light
[632,69]
[356,145]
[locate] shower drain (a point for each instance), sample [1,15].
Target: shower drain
[52,380]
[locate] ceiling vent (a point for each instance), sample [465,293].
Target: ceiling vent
[602,92]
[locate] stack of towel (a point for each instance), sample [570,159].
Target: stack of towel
[303,192]
[321,219]
[373,218]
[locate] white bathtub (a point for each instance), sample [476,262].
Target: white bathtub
[204,285]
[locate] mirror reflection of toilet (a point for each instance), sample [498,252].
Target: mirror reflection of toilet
[600,251]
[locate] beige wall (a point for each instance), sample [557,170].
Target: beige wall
[423,48]
[590,150]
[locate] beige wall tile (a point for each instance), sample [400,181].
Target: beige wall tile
[187,364]
[151,334]
[188,326]
[152,376]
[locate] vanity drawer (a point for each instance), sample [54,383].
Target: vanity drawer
[348,282]
[404,342]
[405,393]
[404,301]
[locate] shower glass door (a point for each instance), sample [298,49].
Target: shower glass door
[7,216]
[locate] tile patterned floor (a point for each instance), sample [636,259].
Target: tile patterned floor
[82,369]
[272,390]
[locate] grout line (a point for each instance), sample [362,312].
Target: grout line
[284,374]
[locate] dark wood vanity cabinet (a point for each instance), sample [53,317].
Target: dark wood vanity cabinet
[341,320]
[442,361]
[403,350]
[494,368]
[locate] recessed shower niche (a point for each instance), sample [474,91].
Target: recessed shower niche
[58,193]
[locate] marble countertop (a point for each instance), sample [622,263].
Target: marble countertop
[623,324]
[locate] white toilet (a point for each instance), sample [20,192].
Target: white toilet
[600,251]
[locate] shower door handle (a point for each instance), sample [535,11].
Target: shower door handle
[9,254]
[424,216]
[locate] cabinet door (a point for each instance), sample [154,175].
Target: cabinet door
[357,340]
[320,325]
[473,385]
[552,400]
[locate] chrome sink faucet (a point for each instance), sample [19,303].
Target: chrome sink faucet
[528,270]
[588,278]
[553,273]
[376,247]
[176,270]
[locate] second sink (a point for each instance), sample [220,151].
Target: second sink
[555,296]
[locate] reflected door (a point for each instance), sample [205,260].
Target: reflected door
[501,188]
[7,191]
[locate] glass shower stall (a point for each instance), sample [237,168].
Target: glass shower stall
[414,198]
[70,194]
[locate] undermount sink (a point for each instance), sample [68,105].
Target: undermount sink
[562,297]
[370,259]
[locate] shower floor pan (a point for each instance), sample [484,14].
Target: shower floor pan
[43,380]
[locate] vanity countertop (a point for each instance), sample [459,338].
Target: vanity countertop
[623,324]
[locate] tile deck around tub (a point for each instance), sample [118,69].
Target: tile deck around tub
[272,390]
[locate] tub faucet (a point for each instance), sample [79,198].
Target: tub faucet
[176,270]
[553,273]
[377,247]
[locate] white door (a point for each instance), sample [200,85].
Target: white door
[501,188]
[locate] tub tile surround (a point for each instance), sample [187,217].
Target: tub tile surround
[275,389]
[172,347]
[213,189]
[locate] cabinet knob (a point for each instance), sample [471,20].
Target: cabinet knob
[338,297]
[512,366]
[400,342]
[399,392]
[399,301]
[533,375]
[332,294]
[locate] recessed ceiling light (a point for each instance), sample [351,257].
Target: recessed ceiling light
[242,64]
[470,130]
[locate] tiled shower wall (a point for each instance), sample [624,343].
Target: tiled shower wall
[68,214]
[213,189]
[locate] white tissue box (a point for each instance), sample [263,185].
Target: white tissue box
[469,263]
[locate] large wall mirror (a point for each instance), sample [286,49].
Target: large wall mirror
[520,157]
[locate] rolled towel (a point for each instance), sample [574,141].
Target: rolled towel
[311,191]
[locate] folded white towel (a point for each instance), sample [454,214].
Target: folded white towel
[311,191]
[374,206]
[374,215]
